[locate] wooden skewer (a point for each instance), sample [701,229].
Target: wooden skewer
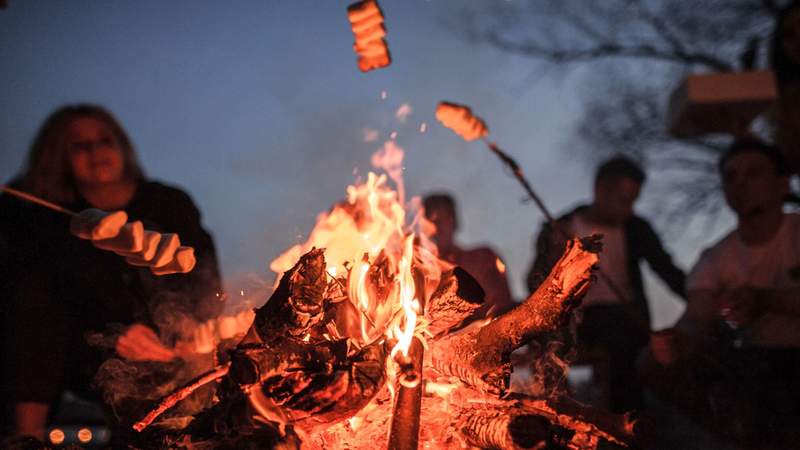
[512,164]
[170,400]
[517,170]
[38,200]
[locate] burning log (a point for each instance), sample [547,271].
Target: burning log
[457,297]
[404,428]
[522,422]
[287,356]
[480,356]
[500,429]
[287,370]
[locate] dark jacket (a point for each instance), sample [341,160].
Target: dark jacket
[59,290]
[642,244]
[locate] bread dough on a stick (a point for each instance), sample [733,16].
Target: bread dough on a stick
[183,262]
[366,21]
[165,252]
[149,248]
[130,239]
[459,118]
[96,224]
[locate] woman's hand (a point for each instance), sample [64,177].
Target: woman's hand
[141,343]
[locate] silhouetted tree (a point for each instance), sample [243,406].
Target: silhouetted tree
[637,52]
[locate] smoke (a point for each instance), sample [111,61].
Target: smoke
[552,355]
[389,158]
[189,322]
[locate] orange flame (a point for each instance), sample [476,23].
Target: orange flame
[371,247]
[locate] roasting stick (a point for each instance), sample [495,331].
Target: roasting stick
[172,399]
[460,119]
[517,170]
[182,261]
[38,200]
[521,177]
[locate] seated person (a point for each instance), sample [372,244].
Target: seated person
[482,262]
[60,289]
[734,355]
[614,315]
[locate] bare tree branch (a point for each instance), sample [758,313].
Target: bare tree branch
[639,50]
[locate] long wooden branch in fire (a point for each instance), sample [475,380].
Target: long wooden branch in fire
[172,399]
[480,356]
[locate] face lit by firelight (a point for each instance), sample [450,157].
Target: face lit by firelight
[95,154]
[445,223]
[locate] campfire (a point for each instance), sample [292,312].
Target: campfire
[368,342]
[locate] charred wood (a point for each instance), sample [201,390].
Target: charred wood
[458,296]
[516,422]
[480,356]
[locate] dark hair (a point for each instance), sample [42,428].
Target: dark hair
[786,70]
[440,201]
[619,167]
[48,172]
[753,145]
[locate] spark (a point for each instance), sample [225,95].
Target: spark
[500,266]
[403,112]
[369,135]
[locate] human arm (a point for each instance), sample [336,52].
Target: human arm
[659,259]
[30,419]
[34,348]
[745,304]
[548,247]
[140,343]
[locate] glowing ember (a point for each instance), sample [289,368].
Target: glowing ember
[369,135]
[500,266]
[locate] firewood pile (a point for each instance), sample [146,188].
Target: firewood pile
[295,380]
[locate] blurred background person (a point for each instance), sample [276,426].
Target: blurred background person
[734,359]
[60,289]
[481,262]
[614,317]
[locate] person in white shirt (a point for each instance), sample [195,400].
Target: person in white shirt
[751,278]
[738,342]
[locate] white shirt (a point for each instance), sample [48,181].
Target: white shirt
[613,263]
[731,263]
